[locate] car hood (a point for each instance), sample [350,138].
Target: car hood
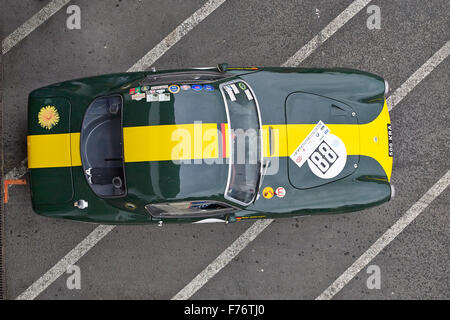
[322,139]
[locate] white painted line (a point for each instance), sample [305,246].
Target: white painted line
[386,238]
[70,259]
[249,235]
[418,76]
[101,231]
[326,33]
[222,260]
[35,21]
[176,35]
[18,171]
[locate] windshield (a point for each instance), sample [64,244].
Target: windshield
[245,142]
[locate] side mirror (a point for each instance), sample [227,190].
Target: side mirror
[222,67]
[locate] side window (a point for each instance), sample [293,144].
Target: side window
[189,209]
[187,77]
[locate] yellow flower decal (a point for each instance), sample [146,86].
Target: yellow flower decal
[48,117]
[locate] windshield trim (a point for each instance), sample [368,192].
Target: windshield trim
[257,186]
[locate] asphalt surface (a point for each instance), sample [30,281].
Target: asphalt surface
[293,258]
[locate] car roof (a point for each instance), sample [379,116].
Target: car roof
[154,131]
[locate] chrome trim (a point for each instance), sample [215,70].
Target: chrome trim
[392,191]
[210,220]
[81,204]
[204,68]
[386,88]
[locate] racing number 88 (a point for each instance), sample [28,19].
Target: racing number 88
[323,157]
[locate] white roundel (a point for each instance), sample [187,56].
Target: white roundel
[329,158]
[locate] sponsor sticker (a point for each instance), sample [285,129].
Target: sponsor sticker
[249,217]
[152,97]
[208,87]
[306,148]
[164,97]
[230,93]
[235,89]
[174,88]
[132,90]
[197,87]
[159,87]
[138,96]
[280,192]
[249,95]
[242,86]
[145,88]
[268,192]
[185,87]
[325,153]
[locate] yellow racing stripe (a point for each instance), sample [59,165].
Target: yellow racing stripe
[48,151]
[201,141]
[369,139]
[148,143]
[171,142]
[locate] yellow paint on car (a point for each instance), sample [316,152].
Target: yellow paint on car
[171,142]
[148,143]
[378,150]
[201,141]
[358,139]
[75,149]
[49,150]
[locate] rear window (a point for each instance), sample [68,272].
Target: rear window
[102,147]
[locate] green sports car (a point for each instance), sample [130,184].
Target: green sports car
[215,144]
